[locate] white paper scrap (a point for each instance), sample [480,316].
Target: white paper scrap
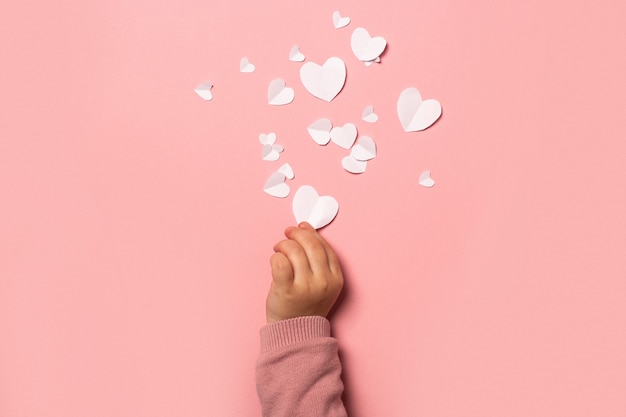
[364,150]
[339,21]
[365,47]
[276,186]
[204,90]
[295,55]
[415,114]
[309,206]
[245,65]
[352,165]
[344,136]
[324,81]
[425,179]
[278,93]
[320,131]
[368,115]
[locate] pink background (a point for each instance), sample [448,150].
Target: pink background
[135,235]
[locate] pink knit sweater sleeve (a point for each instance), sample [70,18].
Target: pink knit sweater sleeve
[298,373]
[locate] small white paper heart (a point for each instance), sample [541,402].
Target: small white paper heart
[295,55]
[204,90]
[267,138]
[324,81]
[271,152]
[344,136]
[352,165]
[415,114]
[275,185]
[278,94]
[320,131]
[245,65]
[425,179]
[339,21]
[368,115]
[287,171]
[365,47]
[309,207]
[364,150]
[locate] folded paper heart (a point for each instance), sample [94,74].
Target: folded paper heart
[245,65]
[278,93]
[368,115]
[344,136]
[339,21]
[295,54]
[204,91]
[275,184]
[309,207]
[425,179]
[364,150]
[287,171]
[365,47]
[415,114]
[324,81]
[271,152]
[267,138]
[320,131]
[352,165]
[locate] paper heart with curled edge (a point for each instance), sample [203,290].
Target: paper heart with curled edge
[364,150]
[246,66]
[275,184]
[204,90]
[425,179]
[352,165]
[309,207]
[365,47]
[320,131]
[278,93]
[324,81]
[368,115]
[339,21]
[415,114]
[344,136]
[295,55]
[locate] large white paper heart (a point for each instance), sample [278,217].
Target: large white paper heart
[352,165]
[339,21]
[425,179]
[295,55]
[278,93]
[415,114]
[320,131]
[275,185]
[204,90]
[365,47]
[324,81]
[309,207]
[364,150]
[344,136]
[245,65]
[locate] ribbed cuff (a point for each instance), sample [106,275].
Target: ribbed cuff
[290,331]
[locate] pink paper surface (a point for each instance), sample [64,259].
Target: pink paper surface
[135,233]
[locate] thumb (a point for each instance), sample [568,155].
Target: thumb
[282,271]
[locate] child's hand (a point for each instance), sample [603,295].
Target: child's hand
[306,274]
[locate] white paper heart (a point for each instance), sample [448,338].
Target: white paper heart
[287,171]
[320,131]
[267,138]
[364,150]
[309,207]
[245,65]
[278,93]
[271,152]
[425,179]
[352,165]
[339,21]
[276,186]
[204,90]
[344,136]
[365,47]
[368,115]
[295,55]
[415,114]
[325,81]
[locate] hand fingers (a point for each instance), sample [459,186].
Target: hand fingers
[333,260]
[295,254]
[282,272]
[312,244]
